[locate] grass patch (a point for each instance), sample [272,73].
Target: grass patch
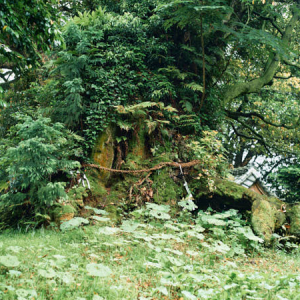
[137,260]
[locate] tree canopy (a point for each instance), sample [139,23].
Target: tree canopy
[28,29]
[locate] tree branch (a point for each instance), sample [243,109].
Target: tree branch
[274,166]
[8,65]
[236,115]
[255,85]
[284,77]
[290,63]
[272,21]
[258,136]
[241,134]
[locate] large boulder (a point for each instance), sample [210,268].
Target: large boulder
[267,213]
[263,218]
[293,213]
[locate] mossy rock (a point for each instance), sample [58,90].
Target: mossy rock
[230,189]
[263,219]
[293,212]
[280,219]
[227,194]
[235,191]
[98,189]
[166,190]
[103,152]
[76,195]
[64,213]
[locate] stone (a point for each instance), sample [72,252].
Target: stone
[293,212]
[263,219]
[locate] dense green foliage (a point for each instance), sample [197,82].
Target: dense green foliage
[26,29]
[163,76]
[105,64]
[34,159]
[286,182]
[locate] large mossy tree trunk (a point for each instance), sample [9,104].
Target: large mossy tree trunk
[103,152]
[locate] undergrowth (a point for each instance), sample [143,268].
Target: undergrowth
[154,254]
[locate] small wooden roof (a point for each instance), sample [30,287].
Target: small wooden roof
[249,177]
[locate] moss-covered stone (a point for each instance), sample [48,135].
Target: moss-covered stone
[98,189]
[103,152]
[280,219]
[165,189]
[267,214]
[76,195]
[263,219]
[63,213]
[293,212]
[227,194]
[225,188]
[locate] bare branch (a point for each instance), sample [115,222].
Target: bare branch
[236,115]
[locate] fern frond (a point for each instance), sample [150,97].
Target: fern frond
[194,87]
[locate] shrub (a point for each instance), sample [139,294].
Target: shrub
[34,161]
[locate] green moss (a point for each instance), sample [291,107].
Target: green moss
[62,210]
[263,219]
[293,213]
[103,152]
[226,195]
[230,189]
[164,187]
[276,202]
[280,219]
[97,187]
[76,195]
[137,145]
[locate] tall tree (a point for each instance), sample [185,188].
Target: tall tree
[27,29]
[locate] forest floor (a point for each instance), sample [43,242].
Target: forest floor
[158,260]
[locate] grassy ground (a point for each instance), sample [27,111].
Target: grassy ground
[161,260]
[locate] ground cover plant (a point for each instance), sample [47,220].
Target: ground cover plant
[148,256]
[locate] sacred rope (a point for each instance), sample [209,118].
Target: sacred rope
[157,167]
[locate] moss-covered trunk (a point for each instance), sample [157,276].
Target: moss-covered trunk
[103,152]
